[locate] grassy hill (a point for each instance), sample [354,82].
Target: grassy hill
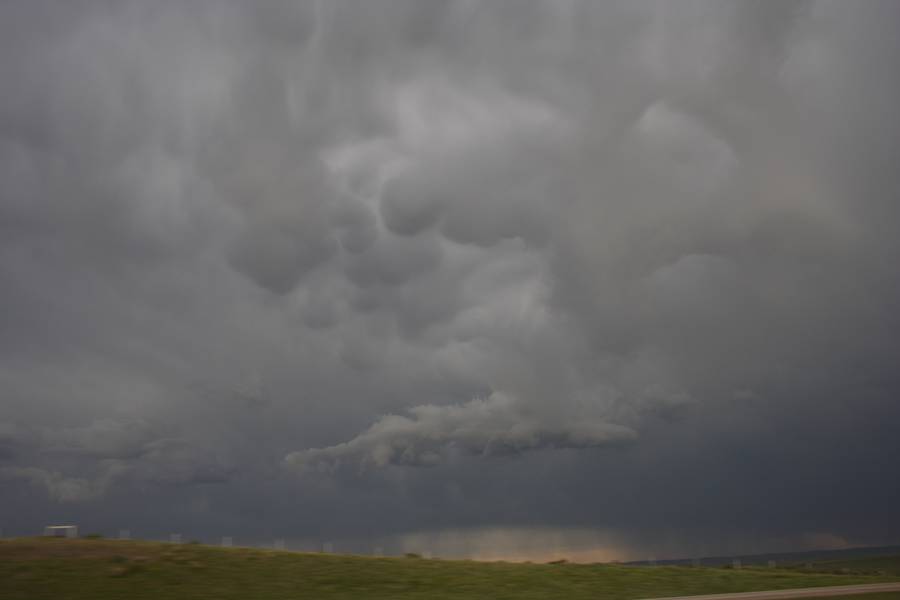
[61,569]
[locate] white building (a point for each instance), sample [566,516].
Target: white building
[68,531]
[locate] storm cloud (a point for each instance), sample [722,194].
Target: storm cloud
[622,273]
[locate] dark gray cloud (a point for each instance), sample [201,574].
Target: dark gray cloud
[621,275]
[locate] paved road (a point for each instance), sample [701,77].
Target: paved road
[817,592]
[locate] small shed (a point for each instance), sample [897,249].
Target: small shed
[68,531]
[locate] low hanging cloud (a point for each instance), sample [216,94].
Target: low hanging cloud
[496,425]
[106,452]
[58,486]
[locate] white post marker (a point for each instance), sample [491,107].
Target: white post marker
[227,541]
[175,538]
[328,547]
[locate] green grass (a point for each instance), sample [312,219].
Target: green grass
[868,565]
[61,569]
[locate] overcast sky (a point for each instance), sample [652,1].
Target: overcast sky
[486,278]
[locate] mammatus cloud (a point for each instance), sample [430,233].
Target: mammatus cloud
[492,426]
[233,232]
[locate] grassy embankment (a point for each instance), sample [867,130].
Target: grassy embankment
[61,569]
